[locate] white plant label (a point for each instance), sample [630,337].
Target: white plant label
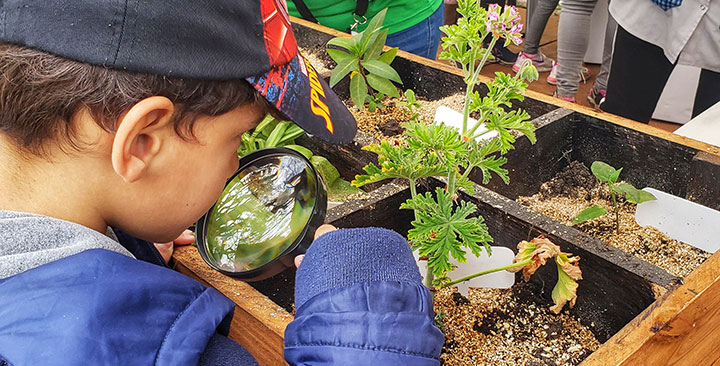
[501,256]
[453,118]
[680,219]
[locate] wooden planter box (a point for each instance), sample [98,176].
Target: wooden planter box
[643,314]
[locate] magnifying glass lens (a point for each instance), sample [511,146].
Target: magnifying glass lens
[261,213]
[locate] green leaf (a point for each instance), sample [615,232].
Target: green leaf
[441,230]
[358,90]
[338,55]
[342,42]
[277,133]
[340,190]
[344,66]
[383,85]
[291,133]
[589,213]
[374,48]
[372,29]
[301,149]
[382,69]
[604,172]
[633,194]
[326,170]
[565,290]
[388,56]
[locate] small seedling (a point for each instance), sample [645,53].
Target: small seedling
[362,58]
[606,173]
[411,104]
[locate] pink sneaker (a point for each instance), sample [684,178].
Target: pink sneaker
[541,63]
[567,99]
[551,79]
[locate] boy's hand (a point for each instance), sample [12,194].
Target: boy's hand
[325,228]
[166,249]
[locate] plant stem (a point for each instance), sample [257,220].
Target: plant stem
[514,265]
[615,206]
[413,194]
[451,182]
[471,83]
[429,278]
[428,273]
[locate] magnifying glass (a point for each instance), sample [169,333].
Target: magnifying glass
[266,216]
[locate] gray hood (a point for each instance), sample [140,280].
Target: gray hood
[28,241]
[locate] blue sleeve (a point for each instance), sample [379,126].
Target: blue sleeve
[360,301]
[223,351]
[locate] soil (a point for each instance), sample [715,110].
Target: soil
[504,327]
[386,124]
[575,188]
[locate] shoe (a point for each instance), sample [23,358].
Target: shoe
[540,61]
[502,54]
[596,98]
[567,99]
[552,78]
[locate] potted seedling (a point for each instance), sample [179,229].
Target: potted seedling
[607,174]
[362,57]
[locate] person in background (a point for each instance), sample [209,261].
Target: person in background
[653,36]
[413,25]
[535,26]
[573,39]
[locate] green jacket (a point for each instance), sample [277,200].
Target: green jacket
[401,14]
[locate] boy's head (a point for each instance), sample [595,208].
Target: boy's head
[135,109]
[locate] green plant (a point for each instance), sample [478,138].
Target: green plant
[441,228]
[362,58]
[606,173]
[444,227]
[275,133]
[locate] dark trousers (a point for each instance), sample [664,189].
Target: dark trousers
[638,76]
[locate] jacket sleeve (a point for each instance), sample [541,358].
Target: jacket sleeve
[379,317]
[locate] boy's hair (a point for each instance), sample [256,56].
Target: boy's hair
[40,93]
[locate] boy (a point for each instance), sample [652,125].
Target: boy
[129,114]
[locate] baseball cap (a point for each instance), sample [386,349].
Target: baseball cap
[210,40]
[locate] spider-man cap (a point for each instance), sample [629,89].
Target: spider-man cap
[211,40]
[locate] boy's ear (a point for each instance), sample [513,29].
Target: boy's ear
[139,136]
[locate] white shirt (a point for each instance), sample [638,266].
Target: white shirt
[688,34]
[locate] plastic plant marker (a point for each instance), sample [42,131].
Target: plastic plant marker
[451,117]
[501,256]
[681,220]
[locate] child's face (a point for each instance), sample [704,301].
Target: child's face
[187,177]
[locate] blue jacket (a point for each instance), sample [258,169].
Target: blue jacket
[382,323]
[103,308]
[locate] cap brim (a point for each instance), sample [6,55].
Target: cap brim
[296,90]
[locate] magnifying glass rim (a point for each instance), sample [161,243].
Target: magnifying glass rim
[298,246]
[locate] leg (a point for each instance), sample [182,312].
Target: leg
[708,92]
[421,39]
[573,37]
[638,76]
[536,25]
[602,78]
